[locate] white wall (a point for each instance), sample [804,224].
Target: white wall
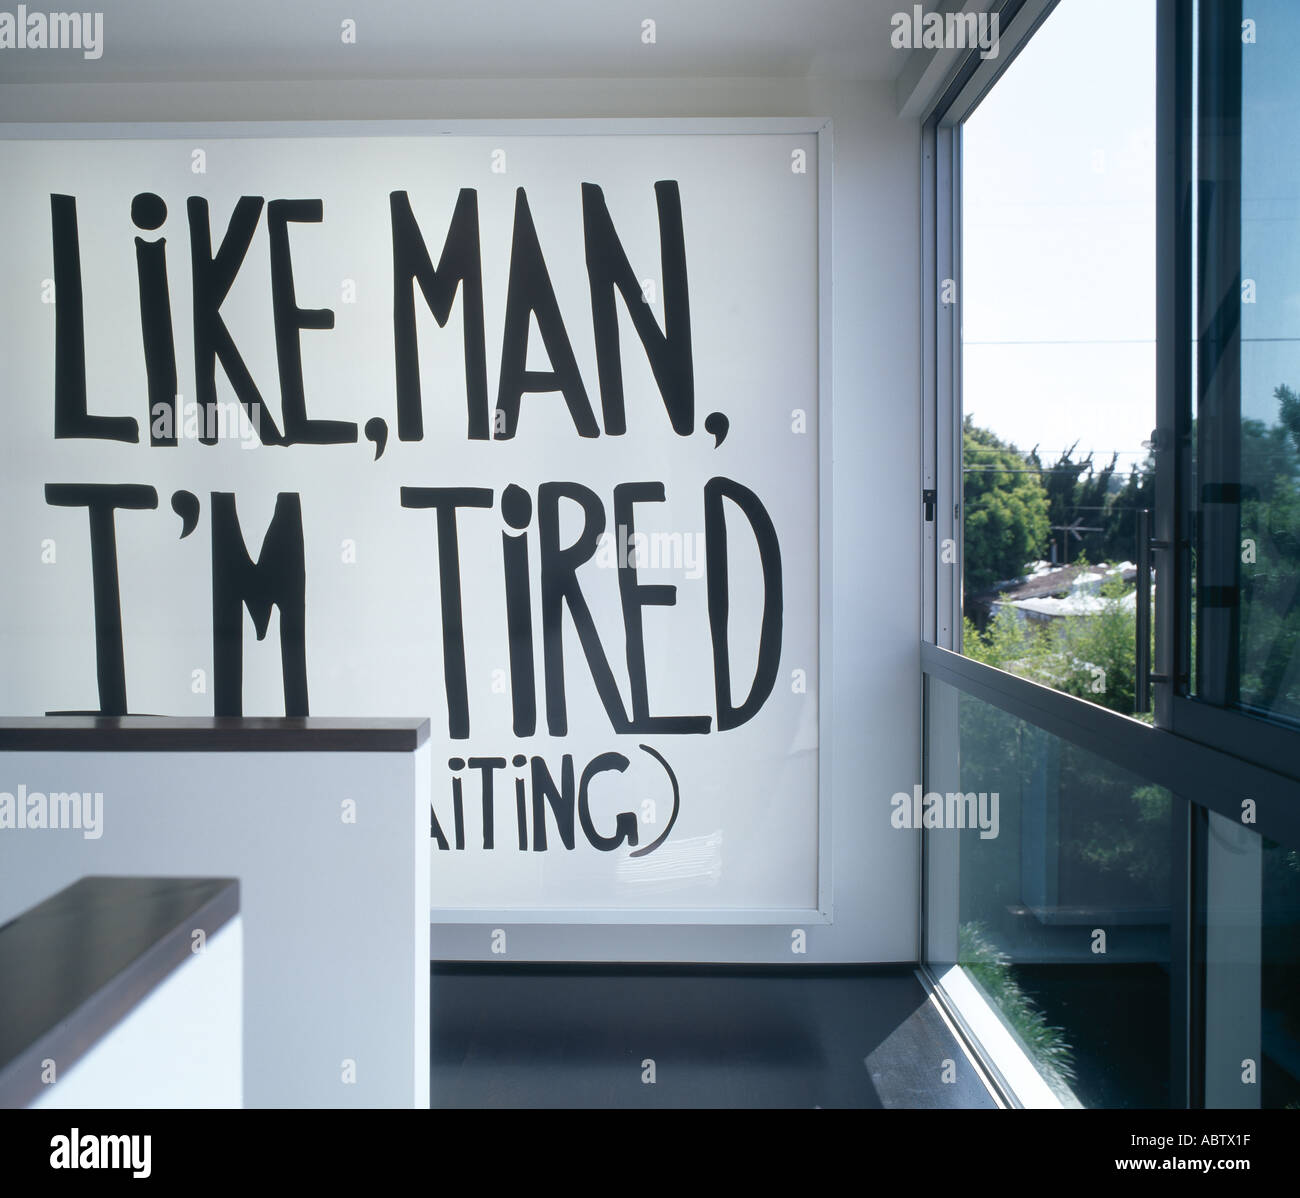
[871,745]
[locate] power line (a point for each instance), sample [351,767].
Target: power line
[994,448]
[1041,470]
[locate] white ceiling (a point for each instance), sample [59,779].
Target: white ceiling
[168,40]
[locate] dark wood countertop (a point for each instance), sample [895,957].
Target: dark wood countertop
[182,734]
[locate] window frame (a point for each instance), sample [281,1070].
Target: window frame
[1243,742]
[1209,718]
[1210,758]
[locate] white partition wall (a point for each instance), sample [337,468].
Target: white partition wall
[182,1047]
[124,992]
[330,850]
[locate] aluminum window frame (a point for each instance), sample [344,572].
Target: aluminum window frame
[1212,758]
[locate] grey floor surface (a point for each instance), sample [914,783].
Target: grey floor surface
[580,1036]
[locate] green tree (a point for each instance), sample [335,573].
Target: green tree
[1090,656]
[1119,541]
[1270,569]
[1071,485]
[1078,492]
[1006,524]
[1288,403]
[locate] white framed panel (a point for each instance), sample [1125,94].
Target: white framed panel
[791,881]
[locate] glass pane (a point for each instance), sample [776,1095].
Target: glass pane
[1252,952]
[1280,977]
[1248,409]
[1057,900]
[1058,352]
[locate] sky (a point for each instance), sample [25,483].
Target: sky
[1058,209]
[1270,207]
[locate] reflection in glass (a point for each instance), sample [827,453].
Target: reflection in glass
[1063,918]
[1251,927]
[1247,441]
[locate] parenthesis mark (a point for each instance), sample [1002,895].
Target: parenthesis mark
[377,431]
[717,424]
[677,803]
[186,505]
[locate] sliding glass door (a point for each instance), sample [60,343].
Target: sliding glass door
[1242,511]
[1245,495]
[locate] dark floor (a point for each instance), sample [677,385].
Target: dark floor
[582,1036]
